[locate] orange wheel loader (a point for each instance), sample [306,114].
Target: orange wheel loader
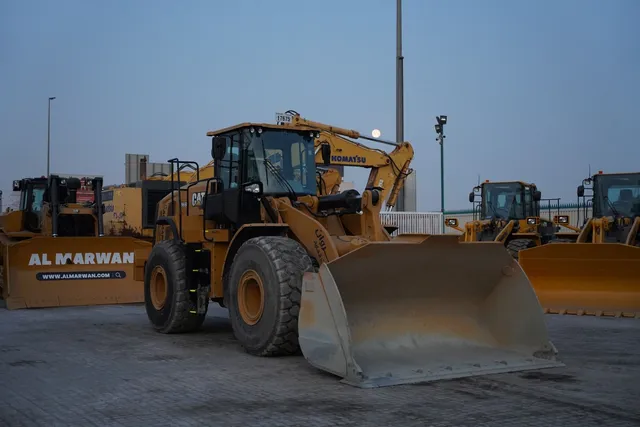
[599,272]
[53,251]
[320,275]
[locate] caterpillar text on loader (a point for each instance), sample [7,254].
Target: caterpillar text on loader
[509,212]
[599,274]
[53,251]
[320,274]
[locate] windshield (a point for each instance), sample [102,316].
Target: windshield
[32,195]
[282,160]
[617,195]
[502,201]
[36,205]
[276,156]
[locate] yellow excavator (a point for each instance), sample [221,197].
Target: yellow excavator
[598,272]
[53,251]
[509,212]
[321,275]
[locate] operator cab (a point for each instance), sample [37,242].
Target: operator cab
[252,161]
[53,194]
[507,200]
[31,200]
[255,161]
[616,195]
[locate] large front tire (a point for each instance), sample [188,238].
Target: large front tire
[265,285]
[166,290]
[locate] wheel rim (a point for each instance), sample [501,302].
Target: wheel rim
[251,297]
[158,287]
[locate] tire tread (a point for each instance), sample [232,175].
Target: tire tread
[289,259]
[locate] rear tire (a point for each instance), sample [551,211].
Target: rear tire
[516,245]
[274,266]
[166,290]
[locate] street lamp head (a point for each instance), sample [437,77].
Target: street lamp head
[51,98]
[438,128]
[442,120]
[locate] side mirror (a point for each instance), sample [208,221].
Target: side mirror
[580,190]
[326,154]
[255,188]
[537,195]
[472,197]
[218,147]
[17,185]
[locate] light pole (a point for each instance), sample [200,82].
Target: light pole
[400,204]
[49,134]
[442,120]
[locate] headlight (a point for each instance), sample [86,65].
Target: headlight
[532,220]
[451,222]
[562,219]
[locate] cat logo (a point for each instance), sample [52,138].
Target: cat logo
[196,198]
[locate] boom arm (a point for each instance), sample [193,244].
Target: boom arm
[388,170]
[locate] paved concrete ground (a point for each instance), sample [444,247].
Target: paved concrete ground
[104,366]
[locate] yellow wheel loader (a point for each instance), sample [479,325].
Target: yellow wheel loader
[509,212]
[597,274]
[320,274]
[53,251]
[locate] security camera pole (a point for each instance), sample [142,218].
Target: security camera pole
[442,120]
[49,134]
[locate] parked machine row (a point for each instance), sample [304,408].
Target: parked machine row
[263,230]
[588,269]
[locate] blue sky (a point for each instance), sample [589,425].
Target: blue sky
[534,91]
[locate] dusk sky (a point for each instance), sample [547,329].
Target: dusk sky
[534,90]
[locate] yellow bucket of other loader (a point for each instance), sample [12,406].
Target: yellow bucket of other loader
[70,271]
[601,279]
[422,308]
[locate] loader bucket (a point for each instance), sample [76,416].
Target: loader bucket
[70,271]
[422,308]
[601,279]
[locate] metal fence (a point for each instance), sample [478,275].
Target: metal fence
[429,222]
[413,222]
